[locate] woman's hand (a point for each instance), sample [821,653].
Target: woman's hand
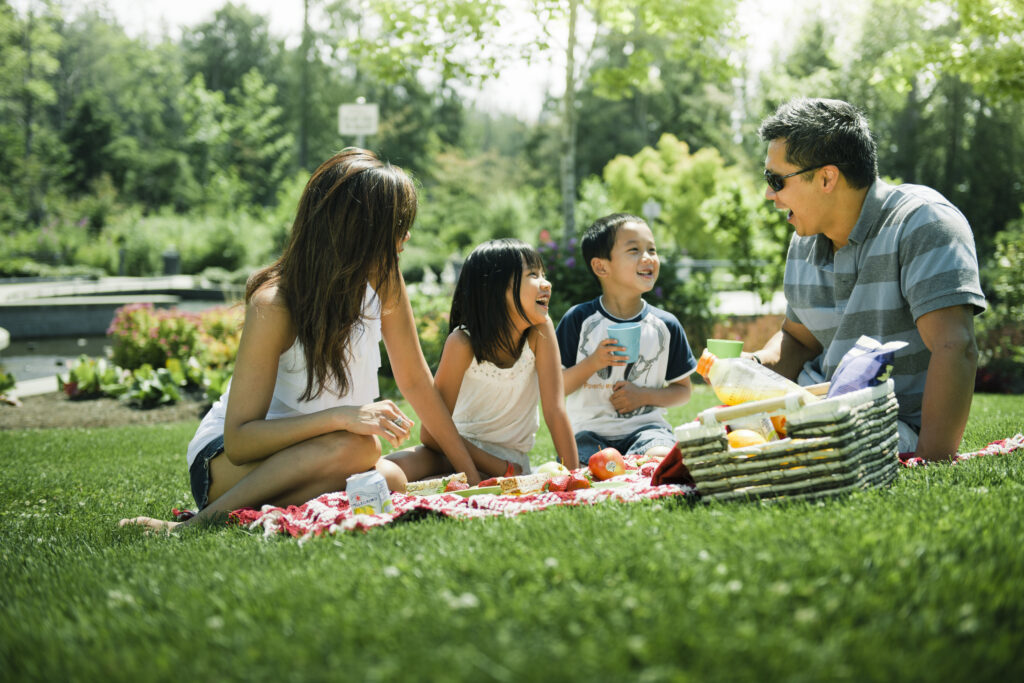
[383,419]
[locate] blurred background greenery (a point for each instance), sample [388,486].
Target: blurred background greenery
[115,150]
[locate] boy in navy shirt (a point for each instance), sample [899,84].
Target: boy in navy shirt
[612,402]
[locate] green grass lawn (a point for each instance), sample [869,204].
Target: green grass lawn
[922,581]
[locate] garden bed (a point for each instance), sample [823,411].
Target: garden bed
[55,410]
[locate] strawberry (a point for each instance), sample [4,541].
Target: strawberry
[559,483]
[577,481]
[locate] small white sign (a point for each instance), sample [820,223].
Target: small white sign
[358,119]
[651,210]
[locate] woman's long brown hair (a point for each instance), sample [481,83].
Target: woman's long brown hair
[351,219]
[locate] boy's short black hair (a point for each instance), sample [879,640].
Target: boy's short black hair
[599,238]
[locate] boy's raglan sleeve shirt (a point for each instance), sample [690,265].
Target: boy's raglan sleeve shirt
[681,362]
[568,335]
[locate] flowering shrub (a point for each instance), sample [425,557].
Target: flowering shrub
[143,335]
[156,354]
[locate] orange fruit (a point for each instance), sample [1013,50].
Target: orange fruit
[741,438]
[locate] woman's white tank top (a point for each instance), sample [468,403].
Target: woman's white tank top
[364,362]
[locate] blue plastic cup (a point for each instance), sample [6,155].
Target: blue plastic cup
[628,335]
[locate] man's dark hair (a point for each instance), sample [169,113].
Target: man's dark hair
[599,238]
[819,132]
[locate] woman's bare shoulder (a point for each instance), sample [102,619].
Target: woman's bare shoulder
[267,310]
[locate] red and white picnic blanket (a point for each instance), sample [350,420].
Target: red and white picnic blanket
[1001,447]
[331,513]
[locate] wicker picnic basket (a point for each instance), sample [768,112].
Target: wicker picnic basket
[833,446]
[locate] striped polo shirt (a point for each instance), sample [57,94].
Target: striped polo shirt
[910,253]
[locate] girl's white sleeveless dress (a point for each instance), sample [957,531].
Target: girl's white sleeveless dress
[496,409]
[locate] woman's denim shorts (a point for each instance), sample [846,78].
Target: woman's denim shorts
[199,473]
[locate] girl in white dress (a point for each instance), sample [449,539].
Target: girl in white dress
[300,414]
[500,358]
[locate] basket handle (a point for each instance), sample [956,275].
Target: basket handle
[790,401]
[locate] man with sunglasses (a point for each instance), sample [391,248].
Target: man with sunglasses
[896,263]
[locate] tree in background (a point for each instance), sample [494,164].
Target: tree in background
[28,61]
[128,142]
[228,47]
[460,39]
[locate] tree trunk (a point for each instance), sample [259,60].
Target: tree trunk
[569,132]
[35,211]
[304,89]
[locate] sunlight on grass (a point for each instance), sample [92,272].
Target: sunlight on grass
[920,581]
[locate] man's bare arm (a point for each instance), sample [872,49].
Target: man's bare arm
[789,349]
[949,335]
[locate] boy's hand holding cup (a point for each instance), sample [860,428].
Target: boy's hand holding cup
[609,353]
[628,336]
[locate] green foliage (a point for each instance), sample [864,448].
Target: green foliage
[431,312]
[150,388]
[678,181]
[229,48]
[999,330]
[91,378]
[980,44]
[750,233]
[472,200]
[7,380]
[232,242]
[654,591]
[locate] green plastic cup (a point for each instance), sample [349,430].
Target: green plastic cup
[726,348]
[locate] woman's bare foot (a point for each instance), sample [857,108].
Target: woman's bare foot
[151,525]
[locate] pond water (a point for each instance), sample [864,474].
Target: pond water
[31,359]
[48,357]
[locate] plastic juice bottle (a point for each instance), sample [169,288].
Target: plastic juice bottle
[738,380]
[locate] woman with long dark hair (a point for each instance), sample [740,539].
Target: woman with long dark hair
[300,414]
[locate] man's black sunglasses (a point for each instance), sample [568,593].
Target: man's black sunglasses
[777,182]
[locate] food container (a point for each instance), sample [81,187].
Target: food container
[833,446]
[368,493]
